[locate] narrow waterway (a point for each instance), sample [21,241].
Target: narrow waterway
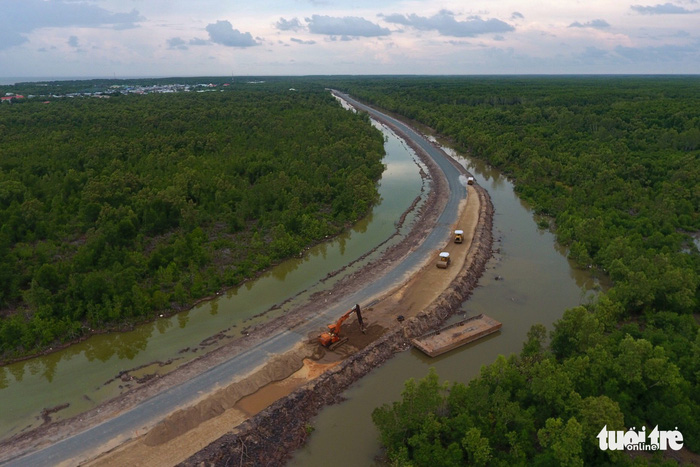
[76,379]
[529,280]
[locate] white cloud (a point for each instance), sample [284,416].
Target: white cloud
[665,9]
[18,18]
[445,23]
[299,41]
[177,43]
[289,25]
[346,27]
[480,36]
[663,54]
[222,32]
[594,54]
[595,24]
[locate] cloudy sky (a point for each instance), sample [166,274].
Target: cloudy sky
[126,38]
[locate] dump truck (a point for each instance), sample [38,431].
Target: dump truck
[443,260]
[470,180]
[459,236]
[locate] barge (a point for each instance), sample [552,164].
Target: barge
[456,335]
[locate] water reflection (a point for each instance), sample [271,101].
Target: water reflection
[3,378]
[162,325]
[49,372]
[361,227]
[85,374]
[282,270]
[184,318]
[536,283]
[323,250]
[17,370]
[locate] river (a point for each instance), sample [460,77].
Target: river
[528,280]
[85,374]
[537,284]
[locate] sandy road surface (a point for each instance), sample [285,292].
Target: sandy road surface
[210,414]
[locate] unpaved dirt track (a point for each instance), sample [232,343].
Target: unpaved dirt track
[286,362]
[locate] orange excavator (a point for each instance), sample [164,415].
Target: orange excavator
[332,339]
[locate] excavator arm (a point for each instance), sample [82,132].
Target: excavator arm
[333,335]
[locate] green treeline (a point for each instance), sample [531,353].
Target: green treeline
[114,209]
[615,163]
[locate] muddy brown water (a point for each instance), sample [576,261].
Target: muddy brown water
[537,284]
[80,377]
[529,280]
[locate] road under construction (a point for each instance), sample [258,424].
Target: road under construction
[197,413]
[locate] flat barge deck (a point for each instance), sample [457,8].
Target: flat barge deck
[455,335]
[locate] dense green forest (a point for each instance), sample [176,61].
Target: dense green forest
[614,162]
[115,209]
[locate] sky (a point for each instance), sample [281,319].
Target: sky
[160,38]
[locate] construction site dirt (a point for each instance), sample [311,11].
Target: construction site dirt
[269,437]
[261,418]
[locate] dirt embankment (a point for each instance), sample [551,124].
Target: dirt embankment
[269,437]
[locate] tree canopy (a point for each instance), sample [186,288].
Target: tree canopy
[115,209]
[614,162]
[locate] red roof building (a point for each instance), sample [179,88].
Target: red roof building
[9,98]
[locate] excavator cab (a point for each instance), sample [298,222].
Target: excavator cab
[332,339]
[459,236]
[443,260]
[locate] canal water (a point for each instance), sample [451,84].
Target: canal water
[529,280]
[536,284]
[79,377]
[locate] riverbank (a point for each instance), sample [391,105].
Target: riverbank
[270,436]
[210,410]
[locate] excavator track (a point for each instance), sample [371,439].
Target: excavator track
[337,344]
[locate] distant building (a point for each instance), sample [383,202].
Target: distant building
[9,99]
